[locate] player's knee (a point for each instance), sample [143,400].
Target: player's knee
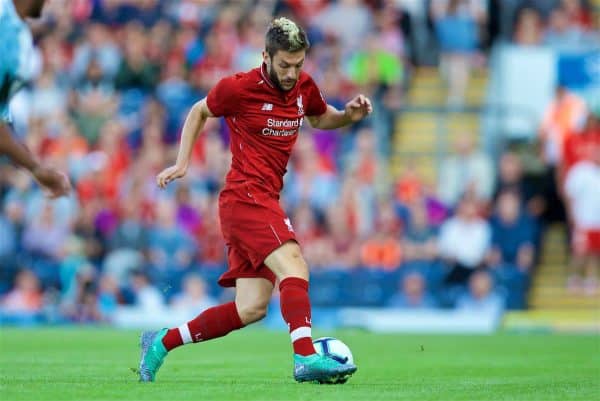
[253,312]
[299,269]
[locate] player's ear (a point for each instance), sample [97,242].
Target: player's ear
[266,57]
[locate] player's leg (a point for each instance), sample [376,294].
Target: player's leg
[252,298]
[292,271]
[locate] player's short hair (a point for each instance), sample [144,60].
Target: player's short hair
[284,34]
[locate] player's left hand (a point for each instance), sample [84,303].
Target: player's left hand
[358,108]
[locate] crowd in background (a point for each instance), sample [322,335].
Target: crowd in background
[115,79]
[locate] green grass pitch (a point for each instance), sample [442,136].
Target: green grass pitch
[254,364]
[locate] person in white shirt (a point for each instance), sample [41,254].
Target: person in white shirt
[464,241]
[582,191]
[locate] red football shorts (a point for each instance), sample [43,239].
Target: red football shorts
[253,226]
[586,242]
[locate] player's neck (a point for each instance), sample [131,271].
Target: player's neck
[266,74]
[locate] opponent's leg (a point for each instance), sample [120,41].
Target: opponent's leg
[292,271]
[252,298]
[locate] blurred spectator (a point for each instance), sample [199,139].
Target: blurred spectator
[457,29]
[582,189]
[311,181]
[576,146]
[420,239]
[383,249]
[412,294]
[48,99]
[8,242]
[466,227]
[481,297]
[170,247]
[562,117]
[563,33]
[348,20]
[96,46]
[147,296]
[109,297]
[131,232]
[73,262]
[119,263]
[249,54]
[25,298]
[45,236]
[342,240]
[92,109]
[194,298]
[71,146]
[513,233]
[528,28]
[187,216]
[467,172]
[176,96]
[367,166]
[136,70]
[578,12]
[81,306]
[373,65]
[511,178]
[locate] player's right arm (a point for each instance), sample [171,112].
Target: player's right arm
[55,183]
[194,123]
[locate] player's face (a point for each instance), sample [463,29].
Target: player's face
[284,68]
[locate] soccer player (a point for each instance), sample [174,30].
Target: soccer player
[264,109]
[16,47]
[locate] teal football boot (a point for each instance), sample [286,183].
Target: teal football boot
[153,354]
[321,369]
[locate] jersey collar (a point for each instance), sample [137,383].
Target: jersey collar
[265,75]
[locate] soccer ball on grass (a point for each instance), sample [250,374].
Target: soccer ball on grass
[335,349]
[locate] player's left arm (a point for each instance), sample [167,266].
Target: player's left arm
[354,111]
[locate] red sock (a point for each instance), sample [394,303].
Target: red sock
[212,323]
[295,309]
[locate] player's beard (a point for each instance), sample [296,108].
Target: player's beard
[275,80]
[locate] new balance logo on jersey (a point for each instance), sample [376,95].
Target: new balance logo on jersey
[267,107]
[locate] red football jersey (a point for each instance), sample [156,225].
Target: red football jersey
[264,122]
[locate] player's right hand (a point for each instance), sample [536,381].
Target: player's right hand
[169,174]
[54,183]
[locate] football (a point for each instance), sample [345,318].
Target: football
[334,348]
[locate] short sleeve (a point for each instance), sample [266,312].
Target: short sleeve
[223,97]
[315,103]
